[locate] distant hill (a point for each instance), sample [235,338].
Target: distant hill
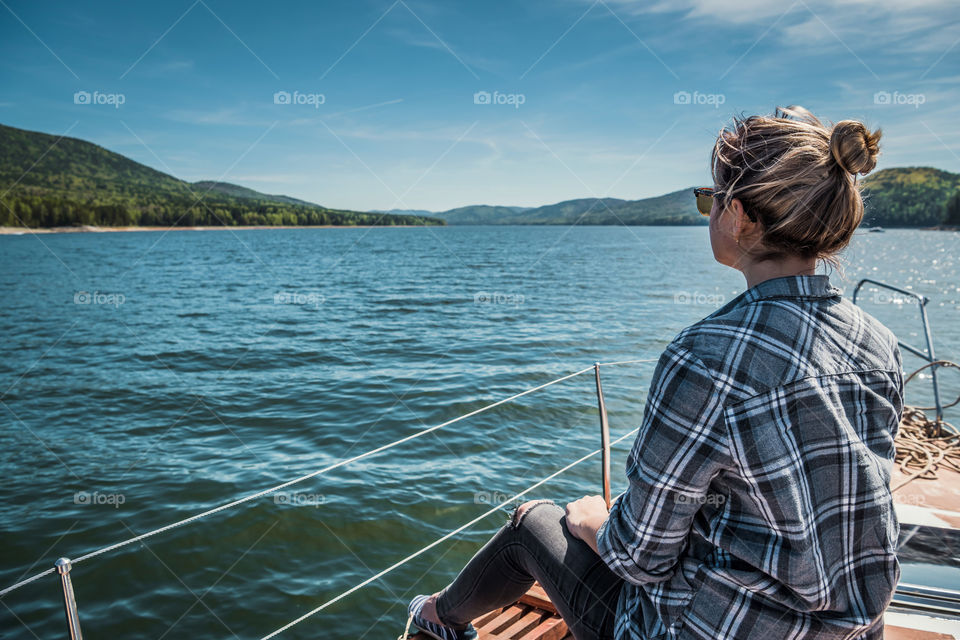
[49,181]
[484,214]
[896,197]
[670,209]
[582,211]
[405,212]
[907,196]
[243,192]
[676,207]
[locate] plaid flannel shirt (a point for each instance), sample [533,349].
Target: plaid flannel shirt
[758,503]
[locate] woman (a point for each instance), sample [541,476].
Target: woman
[758,503]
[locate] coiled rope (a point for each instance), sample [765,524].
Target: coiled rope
[924,446]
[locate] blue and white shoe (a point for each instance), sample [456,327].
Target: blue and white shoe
[432,629]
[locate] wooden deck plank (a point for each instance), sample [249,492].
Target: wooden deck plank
[537,597]
[552,628]
[526,623]
[533,617]
[902,633]
[487,617]
[507,616]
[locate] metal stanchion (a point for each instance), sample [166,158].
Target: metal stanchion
[69,601]
[604,436]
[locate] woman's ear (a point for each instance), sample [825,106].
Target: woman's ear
[728,219]
[741,226]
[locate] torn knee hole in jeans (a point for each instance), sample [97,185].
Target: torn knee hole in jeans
[526,506]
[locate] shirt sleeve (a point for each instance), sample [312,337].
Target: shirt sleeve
[681,445]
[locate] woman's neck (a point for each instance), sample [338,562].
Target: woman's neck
[757,272]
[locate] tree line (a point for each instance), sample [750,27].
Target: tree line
[20,208]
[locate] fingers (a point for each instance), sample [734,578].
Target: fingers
[584,499]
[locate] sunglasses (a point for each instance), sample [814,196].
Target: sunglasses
[705,197]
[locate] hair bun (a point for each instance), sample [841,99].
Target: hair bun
[853,147]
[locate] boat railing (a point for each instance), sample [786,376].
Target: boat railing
[63,566]
[927,355]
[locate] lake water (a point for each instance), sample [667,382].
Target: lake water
[146,377]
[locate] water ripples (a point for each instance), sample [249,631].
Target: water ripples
[229,368]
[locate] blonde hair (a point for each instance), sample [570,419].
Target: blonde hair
[796,178]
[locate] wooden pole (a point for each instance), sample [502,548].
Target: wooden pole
[604,436]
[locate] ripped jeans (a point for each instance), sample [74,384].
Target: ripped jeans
[538,547]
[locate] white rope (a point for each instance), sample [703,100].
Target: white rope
[439,540]
[284,485]
[608,364]
[406,629]
[27,581]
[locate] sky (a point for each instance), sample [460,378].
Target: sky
[429,104]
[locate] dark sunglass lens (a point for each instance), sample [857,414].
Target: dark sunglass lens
[704,203]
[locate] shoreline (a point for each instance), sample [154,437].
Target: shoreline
[17,231]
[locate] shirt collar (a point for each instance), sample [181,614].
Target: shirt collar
[815,286]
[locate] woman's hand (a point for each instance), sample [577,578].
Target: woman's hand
[584,517]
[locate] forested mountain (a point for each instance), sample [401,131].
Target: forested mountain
[908,196]
[47,181]
[244,192]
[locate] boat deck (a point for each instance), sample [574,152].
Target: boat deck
[921,502]
[532,617]
[932,503]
